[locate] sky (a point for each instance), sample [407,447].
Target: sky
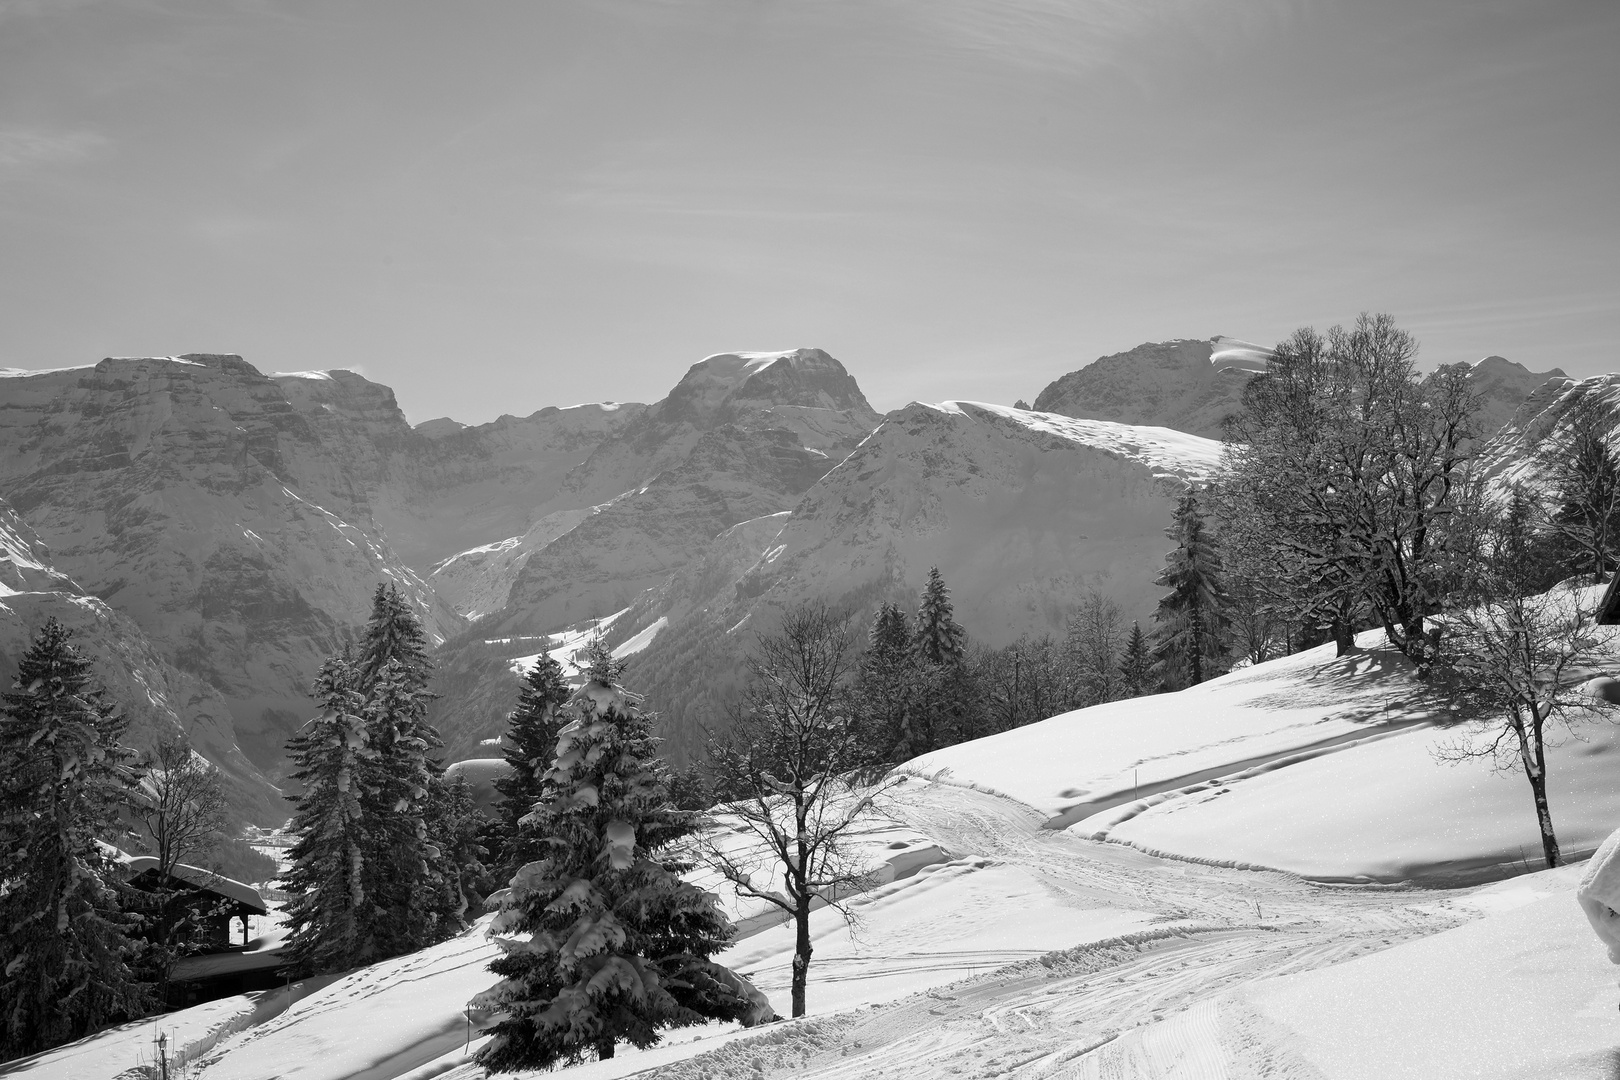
[493,207]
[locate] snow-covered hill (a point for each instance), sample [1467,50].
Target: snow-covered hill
[1018,948]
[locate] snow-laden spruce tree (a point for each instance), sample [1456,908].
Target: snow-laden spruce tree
[65,939]
[1190,642]
[1136,664]
[393,633]
[886,689]
[947,709]
[531,745]
[602,940]
[330,912]
[404,871]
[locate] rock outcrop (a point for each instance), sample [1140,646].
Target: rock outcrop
[230,524]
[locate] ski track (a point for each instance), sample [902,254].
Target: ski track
[1087,1013]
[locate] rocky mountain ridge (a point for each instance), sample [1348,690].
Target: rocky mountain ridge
[238,522]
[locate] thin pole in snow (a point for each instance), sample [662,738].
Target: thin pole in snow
[1133,785]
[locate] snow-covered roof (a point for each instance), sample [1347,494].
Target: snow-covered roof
[203,879]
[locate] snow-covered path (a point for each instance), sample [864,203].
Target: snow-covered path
[1029,952]
[1216,929]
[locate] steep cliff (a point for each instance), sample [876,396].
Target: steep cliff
[231,525]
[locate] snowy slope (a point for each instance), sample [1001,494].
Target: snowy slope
[1316,764]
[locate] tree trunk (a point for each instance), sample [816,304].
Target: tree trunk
[1344,638]
[604,1049]
[801,955]
[1536,772]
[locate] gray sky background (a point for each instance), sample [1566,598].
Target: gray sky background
[493,207]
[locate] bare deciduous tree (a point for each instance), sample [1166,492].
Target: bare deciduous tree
[784,770]
[1517,659]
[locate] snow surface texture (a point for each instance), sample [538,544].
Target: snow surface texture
[1034,951]
[1320,765]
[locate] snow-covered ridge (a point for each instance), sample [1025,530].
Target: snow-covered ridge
[23,373]
[1162,449]
[302,375]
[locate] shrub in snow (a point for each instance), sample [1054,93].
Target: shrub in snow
[601,938]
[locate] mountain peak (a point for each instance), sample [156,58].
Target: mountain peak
[717,386]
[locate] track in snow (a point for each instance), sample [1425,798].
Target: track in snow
[1082,1012]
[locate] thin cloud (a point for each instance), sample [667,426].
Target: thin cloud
[25,148]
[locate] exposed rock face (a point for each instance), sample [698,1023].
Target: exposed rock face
[231,526]
[1191,385]
[740,437]
[159,700]
[488,482]
[1503,387]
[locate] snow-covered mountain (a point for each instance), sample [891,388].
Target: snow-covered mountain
[230,524]
[742,435]
[1193,385]
[1188,384]
[241,520]
[158,699]
[1023,512]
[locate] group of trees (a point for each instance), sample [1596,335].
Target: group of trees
[1351,499]
[80,946]
[389,856]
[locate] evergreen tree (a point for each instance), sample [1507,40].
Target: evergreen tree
[331,913]
[886,688]
[459,869]
[65,944]
[602,939]
[531,744]
[1136,664]
[945,703]
[393,633]
[403,871]
[1191,638]
[939,640]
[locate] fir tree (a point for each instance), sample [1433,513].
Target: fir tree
[1190,641]
[946,704]
[603,940]
[531,744]
[1136,664]
[331,913]
[393,633]
[886,688]
[939,639]
[65,944]
[404,871]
